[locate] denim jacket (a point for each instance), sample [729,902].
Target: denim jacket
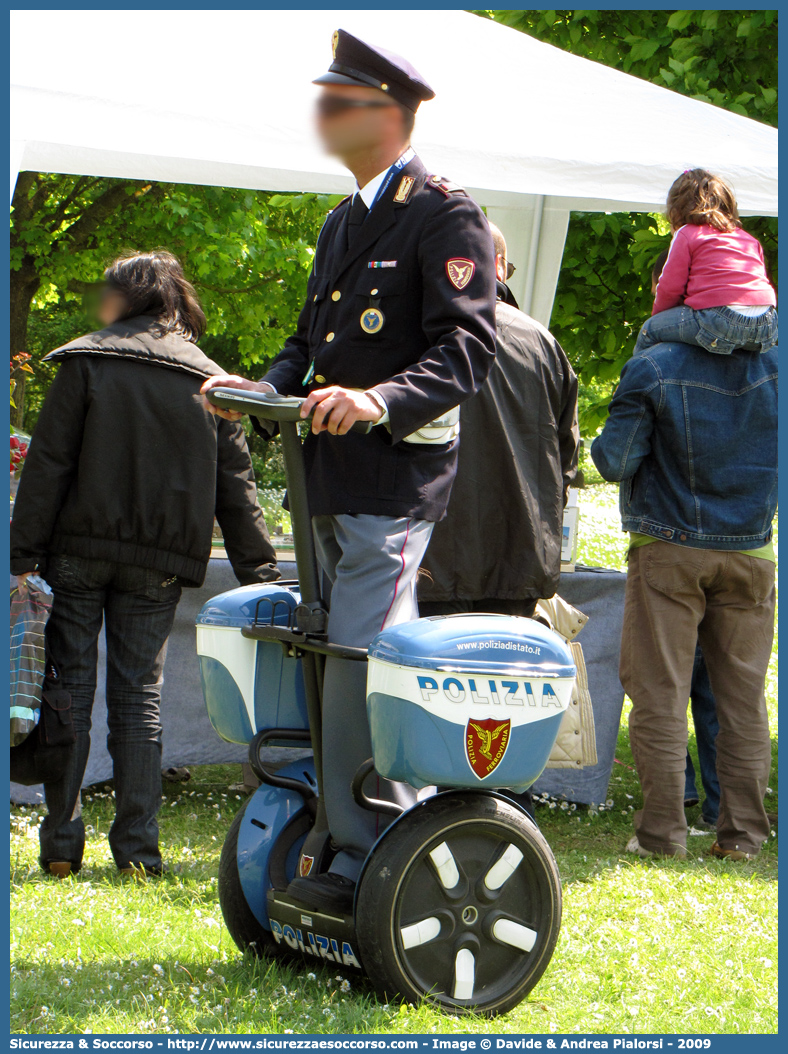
[692,439]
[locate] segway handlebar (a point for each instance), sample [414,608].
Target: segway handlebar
[267,405]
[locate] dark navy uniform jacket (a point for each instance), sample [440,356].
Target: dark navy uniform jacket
[433,351]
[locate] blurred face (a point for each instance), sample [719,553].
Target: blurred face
[112,306]
[350,131]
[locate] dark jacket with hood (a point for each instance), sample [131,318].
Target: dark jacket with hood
[519,443]
[127,465]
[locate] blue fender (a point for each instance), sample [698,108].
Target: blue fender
[269,811]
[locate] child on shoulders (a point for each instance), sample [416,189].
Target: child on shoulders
[713,290]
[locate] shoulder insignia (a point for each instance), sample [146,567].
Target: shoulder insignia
[460,271]
[404,189]
[445,186]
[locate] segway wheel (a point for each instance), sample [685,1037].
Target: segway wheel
[460,905]
[242,925]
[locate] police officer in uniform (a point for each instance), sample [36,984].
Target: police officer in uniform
[398,329]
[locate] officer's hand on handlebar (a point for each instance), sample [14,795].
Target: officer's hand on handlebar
[231,381]
[336,409]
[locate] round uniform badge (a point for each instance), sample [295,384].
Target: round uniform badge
[372,320]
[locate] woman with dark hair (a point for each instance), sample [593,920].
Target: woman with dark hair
[115,508]
[152,284]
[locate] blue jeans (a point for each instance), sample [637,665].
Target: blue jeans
[137,606]
[704,717]
[717,329]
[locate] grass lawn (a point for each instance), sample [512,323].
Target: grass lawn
[678,946]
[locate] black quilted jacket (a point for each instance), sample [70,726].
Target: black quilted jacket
[127,465]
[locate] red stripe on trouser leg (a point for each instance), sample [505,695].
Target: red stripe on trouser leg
[399,576]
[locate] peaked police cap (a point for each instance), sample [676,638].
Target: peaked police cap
[356,62]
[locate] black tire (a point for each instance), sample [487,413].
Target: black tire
[243,927]
[401,887]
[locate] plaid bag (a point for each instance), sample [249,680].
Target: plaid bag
[42,728]
[29,613]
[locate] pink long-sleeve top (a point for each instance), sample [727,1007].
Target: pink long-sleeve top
[710,268]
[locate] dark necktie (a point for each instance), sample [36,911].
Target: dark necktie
[358,213]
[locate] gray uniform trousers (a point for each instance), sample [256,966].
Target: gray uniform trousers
[369,565]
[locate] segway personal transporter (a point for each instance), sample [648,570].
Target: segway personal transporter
[459,900]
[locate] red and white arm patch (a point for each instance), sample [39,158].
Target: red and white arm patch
[460,271]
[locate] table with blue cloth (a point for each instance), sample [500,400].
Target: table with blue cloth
[189,739]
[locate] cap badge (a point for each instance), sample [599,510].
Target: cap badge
[334,42]
[372,320]
[404,189]
[460,271]
[485,745]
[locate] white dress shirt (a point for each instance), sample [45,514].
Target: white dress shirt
[370,190]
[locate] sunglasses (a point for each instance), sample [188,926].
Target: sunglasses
[331,105]
[510,268]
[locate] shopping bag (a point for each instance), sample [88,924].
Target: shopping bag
[42,727]
[30,609]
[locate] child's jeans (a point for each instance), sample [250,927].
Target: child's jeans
[717,329]
[704,718]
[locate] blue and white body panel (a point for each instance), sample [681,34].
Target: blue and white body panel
[471,701]
[249,685]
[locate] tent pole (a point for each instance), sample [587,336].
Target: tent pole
[538,257]
[552,239]
[533,252]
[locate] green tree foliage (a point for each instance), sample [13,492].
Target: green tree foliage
[726,58]
[603,297]
[248,254]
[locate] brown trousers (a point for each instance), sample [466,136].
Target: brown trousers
[676,596]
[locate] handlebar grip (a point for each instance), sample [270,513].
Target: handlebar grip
[267,405]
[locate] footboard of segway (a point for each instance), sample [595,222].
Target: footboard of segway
[250,685]
[467,701]
[312,934]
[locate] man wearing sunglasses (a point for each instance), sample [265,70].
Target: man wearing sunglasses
[398,328]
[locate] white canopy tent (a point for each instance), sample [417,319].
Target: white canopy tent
[224,98]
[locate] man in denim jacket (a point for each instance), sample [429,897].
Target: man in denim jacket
[692,440]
